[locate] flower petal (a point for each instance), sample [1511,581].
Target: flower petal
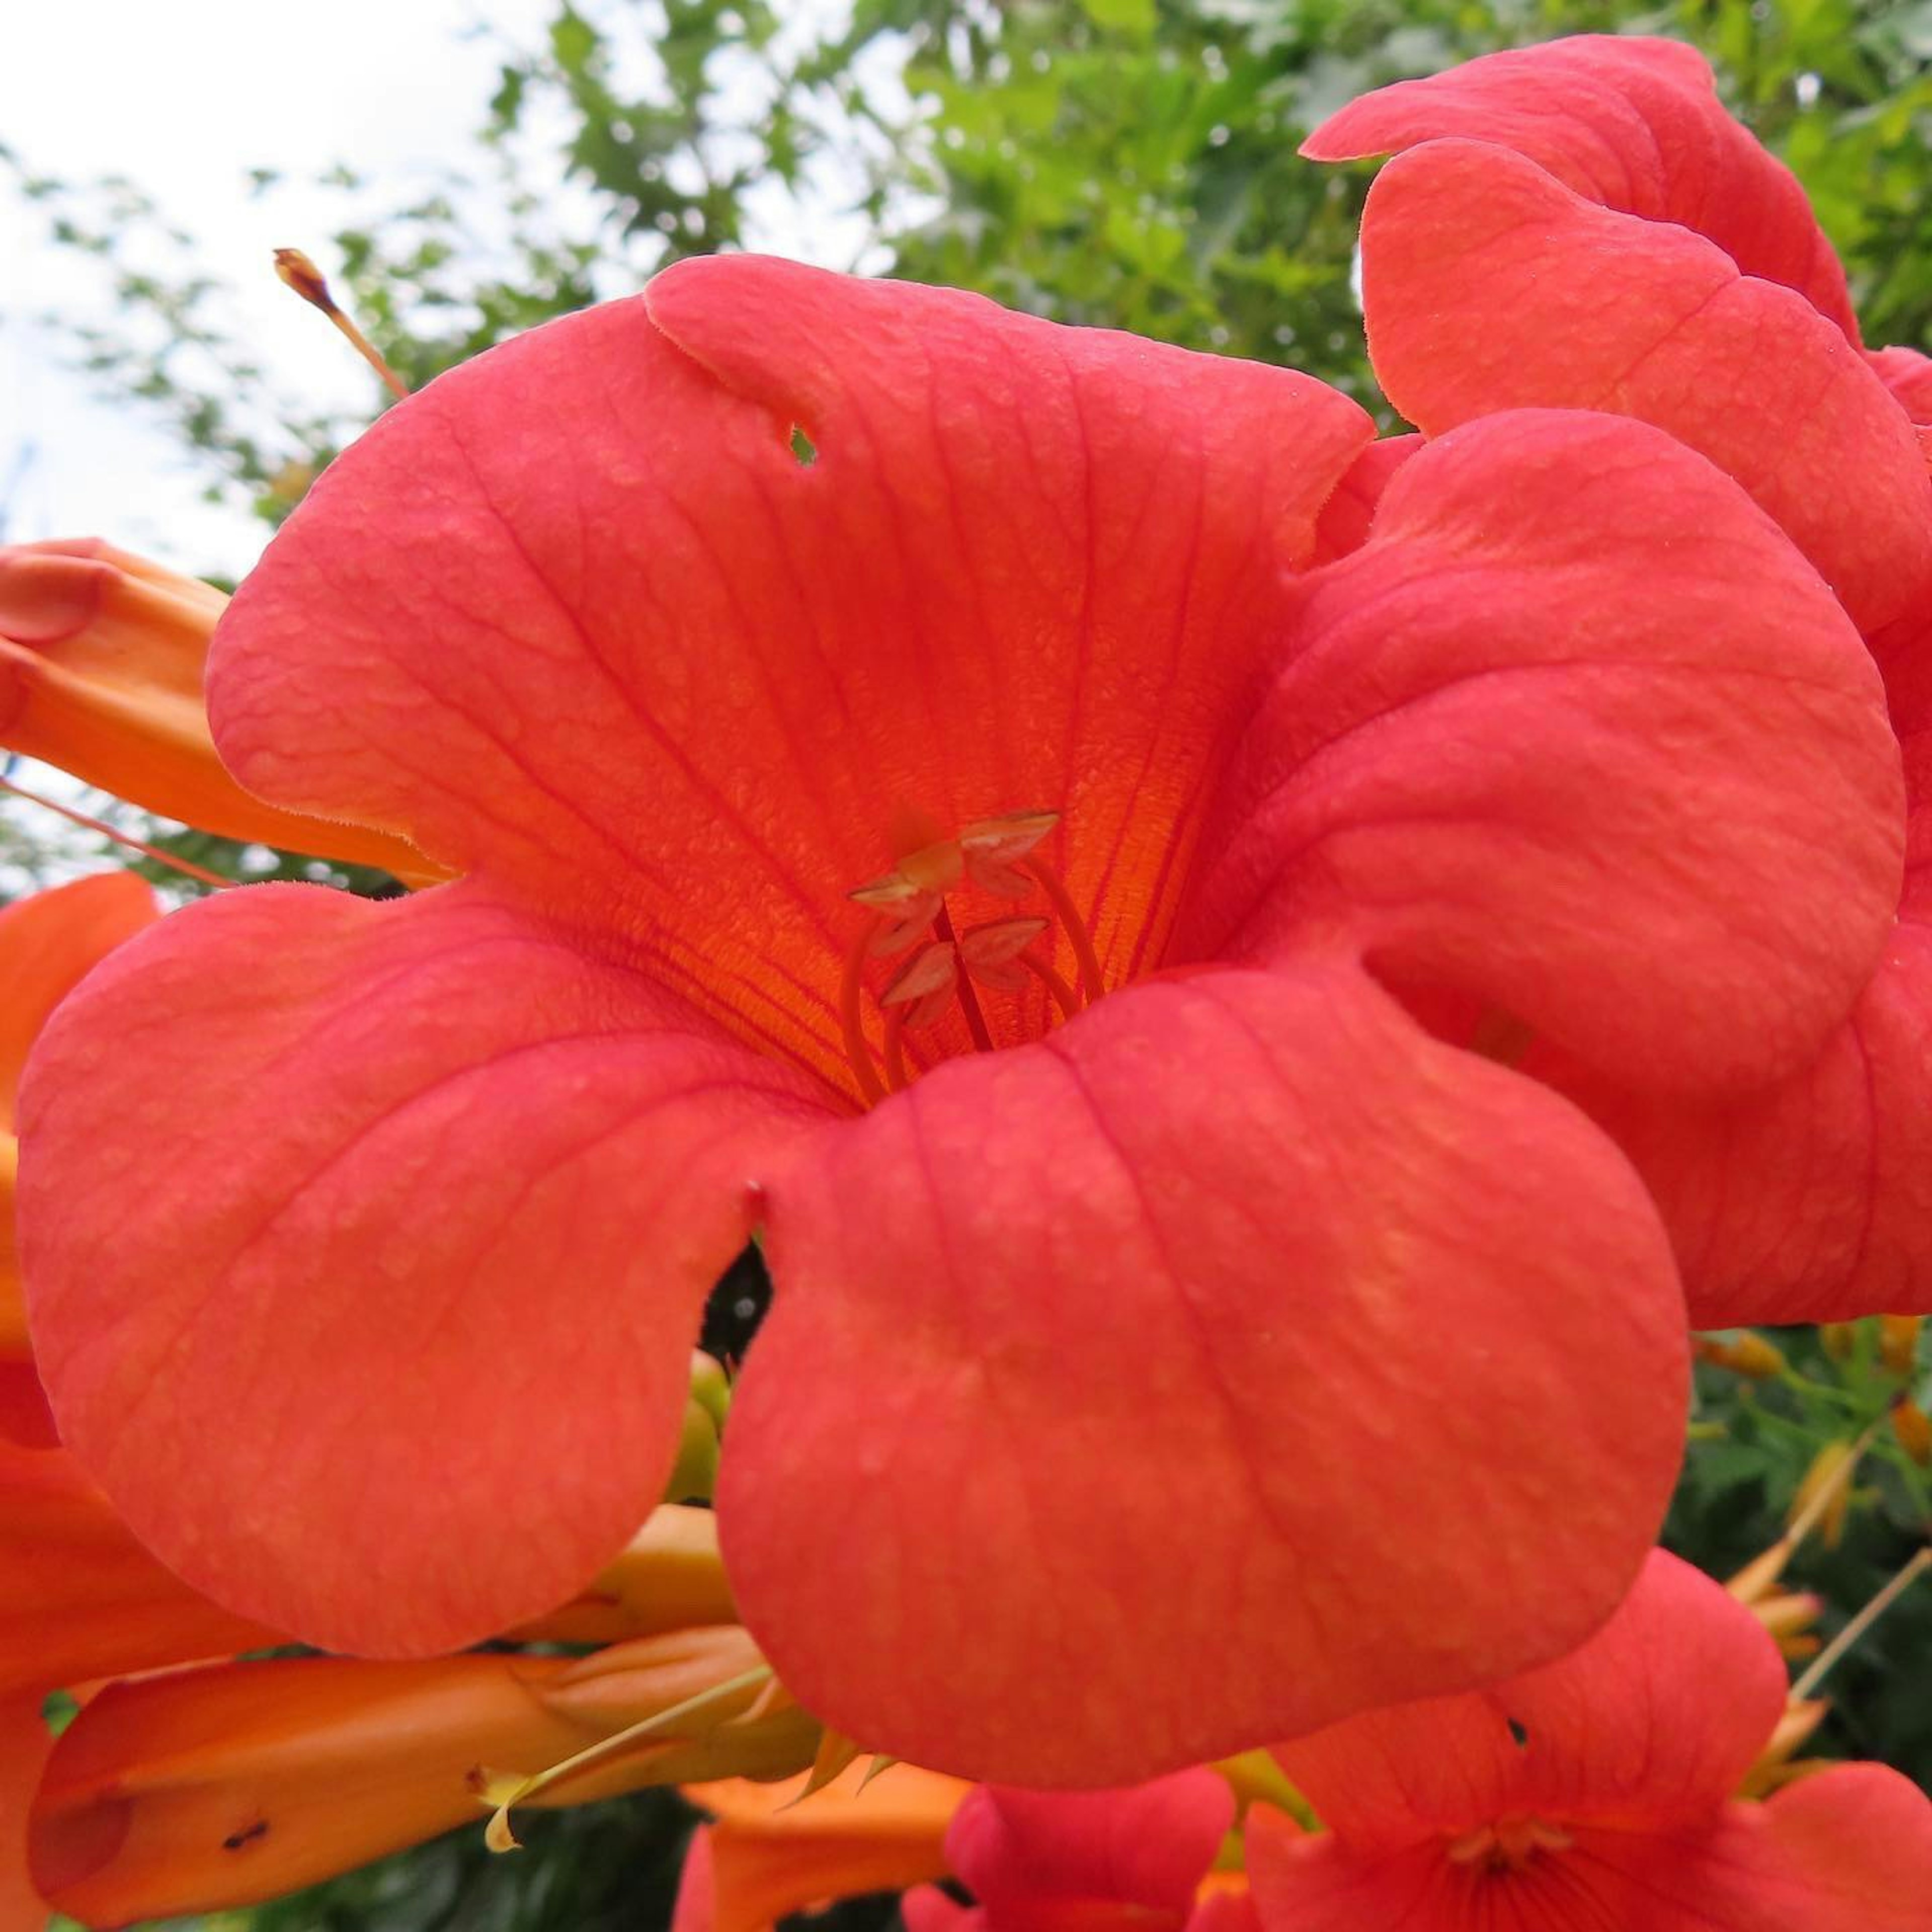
[48,941]
[1488,285]
[1631,122]
[25,1745]
[1357,1277]
[441,1202]
[578,617]
[1022,1852]
[1654,1720]
[79,1597]
[772,1855]
[1640,794]
[1811,1200]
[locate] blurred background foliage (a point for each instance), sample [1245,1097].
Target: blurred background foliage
[1127,162]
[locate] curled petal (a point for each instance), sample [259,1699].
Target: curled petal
[1640,794]
[1633,123]
[1488,285]
[760,659]
[1357,1276]
[473,1188]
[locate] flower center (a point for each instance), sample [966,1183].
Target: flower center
[917,965]
[1510,1844]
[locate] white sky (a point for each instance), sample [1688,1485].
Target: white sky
[185,96]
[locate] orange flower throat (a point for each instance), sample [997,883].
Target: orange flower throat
[944,965]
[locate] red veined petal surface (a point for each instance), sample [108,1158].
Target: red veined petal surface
[1846,1850]
[1655,1719]
[1627,1749]
[1359,1278]
[1811,1200]
[1022,1854]
[425,1253]
[80,1598]
[578,617]
[1487,285]
[48,941]
[1633,123]
[1664,826]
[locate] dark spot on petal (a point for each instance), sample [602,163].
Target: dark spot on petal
[1519,1736]
[247,1835]
[802,447]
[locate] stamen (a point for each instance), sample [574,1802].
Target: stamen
[851,1019]
[895,1066]
[1064,996]
[299,273]
[185,866]
[1075,927]
[1862,1622]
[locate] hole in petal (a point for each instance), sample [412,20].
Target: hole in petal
[736,1306]
[802,447]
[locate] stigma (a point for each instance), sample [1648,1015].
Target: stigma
[919,963]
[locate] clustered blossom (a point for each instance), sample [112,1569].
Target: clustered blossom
[1246,979]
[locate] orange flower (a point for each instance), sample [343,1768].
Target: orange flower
[101,657]
[220,1786]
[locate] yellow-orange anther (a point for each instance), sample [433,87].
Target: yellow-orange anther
[1912,1428]
[1838,1339]
[1898,1341]
[1746,1355]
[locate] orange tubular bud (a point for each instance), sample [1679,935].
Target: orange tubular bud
[1912,1428]
[1838,1339]
[1898,1342]
[1750,1354]
[668,1577]
[102,655]
[198,1790]
[1828,1470]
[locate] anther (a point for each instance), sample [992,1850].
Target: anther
[299,273]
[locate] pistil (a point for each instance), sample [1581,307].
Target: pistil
[969,1000]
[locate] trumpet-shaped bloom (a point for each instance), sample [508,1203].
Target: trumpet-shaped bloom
[49,941]
[207,1789]
[1080,1862]
[101,664]
[1581,224]
[708,727]
[1595,1792]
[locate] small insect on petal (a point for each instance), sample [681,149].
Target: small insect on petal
[991,953]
